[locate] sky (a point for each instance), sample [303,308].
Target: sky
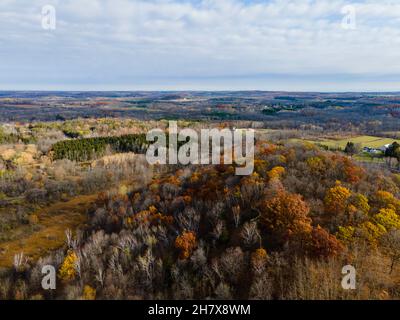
[289,45]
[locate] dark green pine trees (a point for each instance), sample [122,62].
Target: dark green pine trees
[91,148]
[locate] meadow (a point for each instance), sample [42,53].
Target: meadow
[362,141]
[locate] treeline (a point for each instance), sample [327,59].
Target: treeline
[91,148]
[15,138]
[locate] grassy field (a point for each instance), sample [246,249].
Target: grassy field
[54,221]
[332,143]
[364,141]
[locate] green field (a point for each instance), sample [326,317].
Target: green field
[364,141]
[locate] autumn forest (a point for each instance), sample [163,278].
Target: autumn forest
[78,195]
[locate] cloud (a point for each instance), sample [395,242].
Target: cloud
[128,42]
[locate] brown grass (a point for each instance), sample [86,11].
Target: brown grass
[53,222]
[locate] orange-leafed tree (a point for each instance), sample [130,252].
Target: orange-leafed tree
[353,173]
[323,244]
[186,242]
[286,216]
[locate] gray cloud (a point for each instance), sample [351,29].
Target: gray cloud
[157,44]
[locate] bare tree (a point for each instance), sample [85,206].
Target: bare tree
[20,261]
[391,246]
[250,233]
[236,215]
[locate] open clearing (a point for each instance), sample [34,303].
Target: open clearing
[364,141]
[53,221]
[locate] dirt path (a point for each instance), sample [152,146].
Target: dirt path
[53,222]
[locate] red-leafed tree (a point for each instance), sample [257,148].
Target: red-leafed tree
[323,244]
[286,216]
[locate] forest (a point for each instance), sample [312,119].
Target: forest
[201,232]
[91,148]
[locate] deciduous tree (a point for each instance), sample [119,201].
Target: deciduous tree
[336,199]
[186,242]
[286,215]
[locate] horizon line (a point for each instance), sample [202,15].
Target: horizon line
[199,90]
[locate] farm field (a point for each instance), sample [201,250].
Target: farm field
[364,141]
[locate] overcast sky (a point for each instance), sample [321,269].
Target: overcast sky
[293,45]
